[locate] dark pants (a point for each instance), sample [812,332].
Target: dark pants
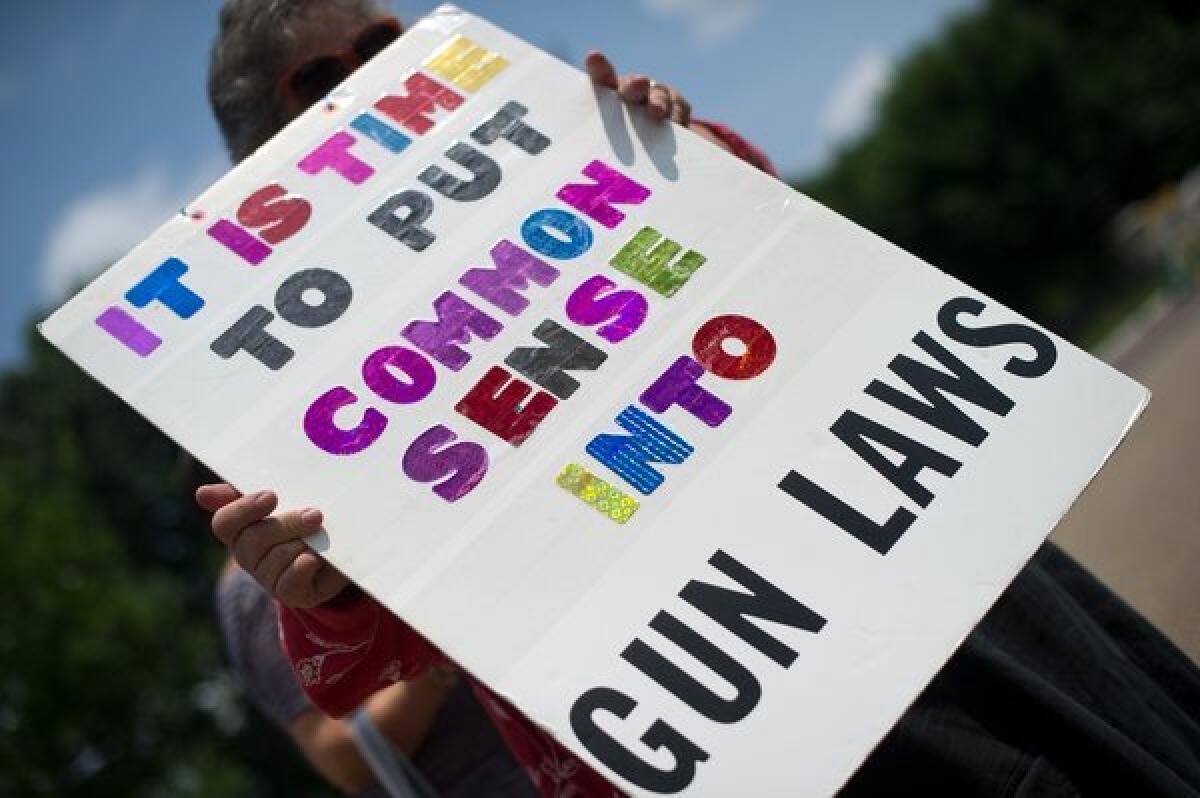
[1061,690]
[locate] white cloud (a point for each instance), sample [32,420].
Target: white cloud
[710,21]
[99,226]
[852,104]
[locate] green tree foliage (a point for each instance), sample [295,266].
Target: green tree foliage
[112,680]
[1003,148]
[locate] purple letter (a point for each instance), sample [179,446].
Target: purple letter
[514,268]
[677,386]
[456,320]
[427,461]
[379,377]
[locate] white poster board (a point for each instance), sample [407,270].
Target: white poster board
[778,403]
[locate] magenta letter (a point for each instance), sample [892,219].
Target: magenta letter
[333,152]
[321,429]
[626,309]
[610,186]
[379,377]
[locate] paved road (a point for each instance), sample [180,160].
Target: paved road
[1137,526]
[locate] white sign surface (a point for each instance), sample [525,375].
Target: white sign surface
[584,399]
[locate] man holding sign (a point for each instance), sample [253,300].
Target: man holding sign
[645,391]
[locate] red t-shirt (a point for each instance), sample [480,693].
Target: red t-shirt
[348,648]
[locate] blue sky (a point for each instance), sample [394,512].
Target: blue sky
[106,128]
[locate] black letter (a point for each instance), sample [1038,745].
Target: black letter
[938,411]
[485,174]
[563,351]
[406,229]
[747,690]
[507,123]
[620,758]
[880,538]
[730,608]
[855,431]
[1043,348]
[248,333]
[335,297]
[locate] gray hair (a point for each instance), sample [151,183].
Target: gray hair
[256,41]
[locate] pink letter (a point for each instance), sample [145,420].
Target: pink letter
[333,152]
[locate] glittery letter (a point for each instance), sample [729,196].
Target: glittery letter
[163,284]
[556,234]
[239,242]
[610,186]
[457,319]
[624,310]
[495,404]
[513,269]
[379,132]
[335,297]
[278,218]
[596,493]
[334,152]
[378,368]
[249,333]
[321,429]
[677,386]
[647,258]
[756,340]
[629,456]
[124,328]
[423,95]
[506,123]
[465,64]
[429,459]
[406,229]
[485,174]
[563,351]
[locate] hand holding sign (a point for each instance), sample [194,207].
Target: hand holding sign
[271,548]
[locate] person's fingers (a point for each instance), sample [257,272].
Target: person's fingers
[600,69]
[275,562]
[681,109]
[309,582]
[658,101]
[633,88]
[213,497]
[257,540]
[229,521]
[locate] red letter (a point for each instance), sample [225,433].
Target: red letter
[757,339]
[497,408]
[279,219]
[423,94]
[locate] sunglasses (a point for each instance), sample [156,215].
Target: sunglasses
[314,79]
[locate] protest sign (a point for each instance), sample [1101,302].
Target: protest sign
[706,479]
